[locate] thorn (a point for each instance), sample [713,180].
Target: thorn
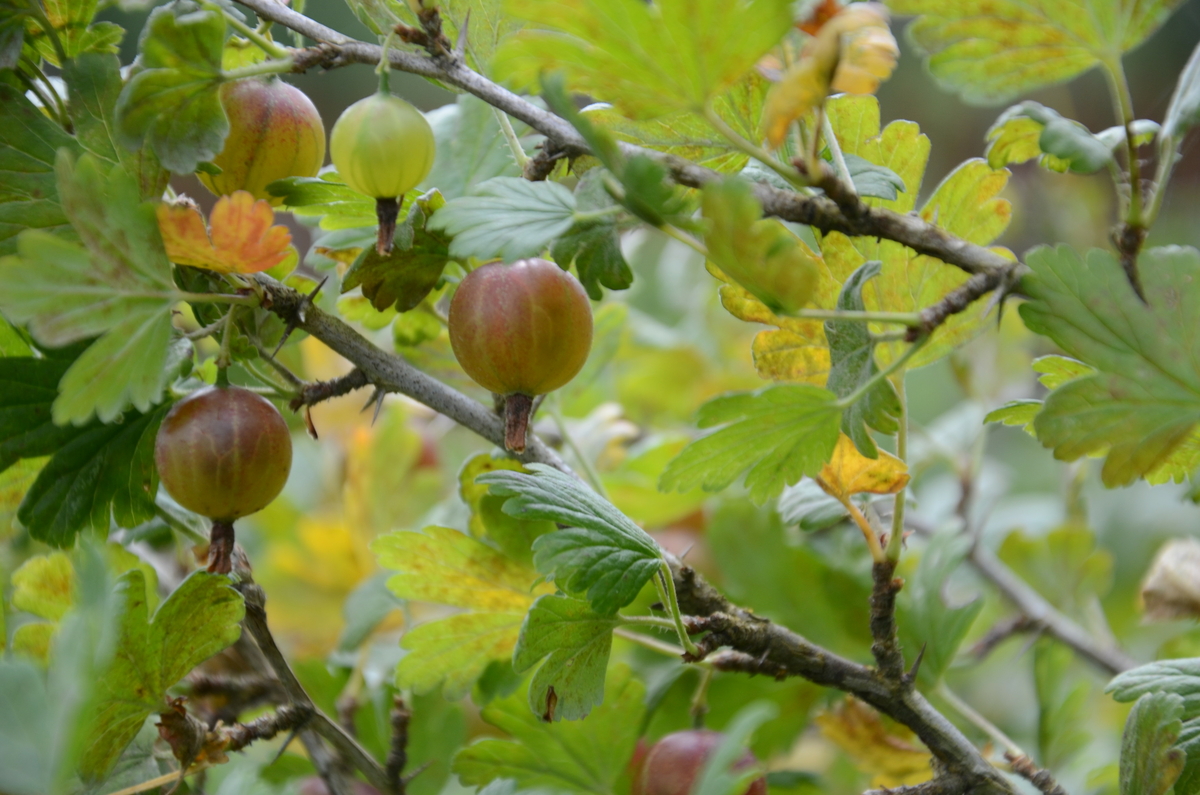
[683,555]
[911,676]
[293,734]
[376,399]
[308,422]
[300,315]
[421,769]
[460,46]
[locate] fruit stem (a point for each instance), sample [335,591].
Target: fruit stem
[385,65]
[220,547]
[266,45]
[666,586]
[517,408]
[386,211]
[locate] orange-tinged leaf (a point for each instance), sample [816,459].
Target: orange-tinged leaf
[817,18]
[850,472]
[893,758]
[241,236]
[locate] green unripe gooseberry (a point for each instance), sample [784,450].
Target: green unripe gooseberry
[382,146]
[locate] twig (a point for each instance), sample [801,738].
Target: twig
[397,757]
[1002,631]
[289,717]
[1024,767]
[821,212]
[960,298]
[320,391]
[256,624]
[886,645]
[978,720]
[390,373]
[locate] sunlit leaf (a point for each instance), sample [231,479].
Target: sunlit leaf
[988,51]
[849,472]
[241,236]
[326,197]
[890,754]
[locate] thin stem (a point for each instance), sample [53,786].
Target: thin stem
[216,298]
[50,106]
[835,149]
[276,67]
[384,68]
[224,355]
[648,621]
[980,722]
[266,45]
[1123,102]
[666,583]
[896,539]
[57,100]
[684,238]
[792,176]
[209,330]
[598,215]
[699,705]
[35,10]
[867,530]
[895,366]
[813,154]
[589,469]
[650,643]
[510,135]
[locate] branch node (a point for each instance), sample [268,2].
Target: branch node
[1024,767]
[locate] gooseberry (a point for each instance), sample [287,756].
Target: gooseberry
[224,453]
[275,132]
[674,764]
[520,330]
[382,147]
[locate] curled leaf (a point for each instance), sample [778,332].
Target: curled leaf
[240,237]
[850,472]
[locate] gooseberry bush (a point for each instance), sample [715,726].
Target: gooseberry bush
[709,447]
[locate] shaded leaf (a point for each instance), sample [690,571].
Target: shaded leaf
[45,586]
[117,286]
[507,217]
[585,757]
[1178,677]
[852,364]
[1144,400]
[601,553]
[471,149]
[873,181]
[1062,704]
[1150,763]
[925,616]
[199,619]
[241,236]
[575,642]
[890,754]
[1064,565]
[403,278]
[775,435]
[722,773]
[326,197]
[173,103]
[1031,129]
[594,246]
[1184,110]
[807,505]
[514,536]
[989,52]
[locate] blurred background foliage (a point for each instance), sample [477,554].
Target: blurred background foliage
[663,348]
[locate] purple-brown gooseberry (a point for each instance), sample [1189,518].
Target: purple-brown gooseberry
[224,453]
[674,763]
[520,330]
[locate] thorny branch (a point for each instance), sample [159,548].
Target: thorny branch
[336,49]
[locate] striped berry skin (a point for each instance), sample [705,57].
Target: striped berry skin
[223,452]
[523,328]
[275,132]
[674,764]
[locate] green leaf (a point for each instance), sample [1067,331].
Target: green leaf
[776,435]
[1062,704]
[119,286]
[1189,742]
[1144,400]
[594,246]
[1030,130]
[1064,565]
[72,23]
[1178,677]
[512,535]
[173,103]
[94,84]
[507,217]
[718,776]
[601,552]
[28,388]
[807,505]
[28,189]
[471,149]
[760,565]
[1184,110]
[924,617]
[584,757]
[404,277]
[45,586]
[105,473]
[852,364]
[575,642]
[990,52]
[873,180]
[647,60]
[1150,763]
[199,619]
[447,567]
[326,197]
[1018,413]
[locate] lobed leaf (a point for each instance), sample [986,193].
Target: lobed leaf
[241,237]
[1144,400]
[507,217]
[601,553]
[575,642]
[926,620]
[776,436]
[1150,762]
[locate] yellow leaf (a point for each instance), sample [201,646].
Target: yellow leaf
[240,237]
[892,758]
[850,472]
[45,586]
[852,52]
